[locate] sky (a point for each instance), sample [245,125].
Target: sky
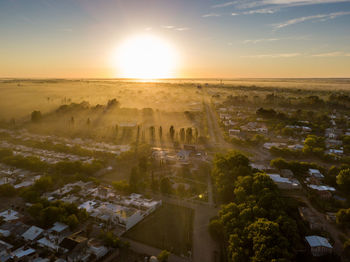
[212,38]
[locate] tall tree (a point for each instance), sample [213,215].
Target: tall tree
[182,135]
[160,132]
[172,133]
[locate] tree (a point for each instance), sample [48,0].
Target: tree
[216,229]
[165,185]
[227,168]
[343,217]
[189,135]
[7,190]
[279,163]
[163,256]
[36,116]
[121,186]
[152,133]
[134,180]
[160,133]
[182,134]
[343,180]
[72,221]
[172,133]
[196,134]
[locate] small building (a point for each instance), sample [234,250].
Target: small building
[234,132]
[9,215]
[319,246]
[32,233]
[59,229]
[315,173]
[283,182]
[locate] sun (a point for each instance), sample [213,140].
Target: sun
[145,57]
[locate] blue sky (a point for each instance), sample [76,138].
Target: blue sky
[265,38]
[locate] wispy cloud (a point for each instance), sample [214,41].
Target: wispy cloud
[255,41]
[281,55]
[211,15]
[171,27]
[319,17]
[182,28]
[234,14]
[246,4]
[261,11]
[224,4]
[168,26]
[331,54]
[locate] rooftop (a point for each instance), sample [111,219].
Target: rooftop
[317,241]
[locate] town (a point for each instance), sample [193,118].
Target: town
[199,179]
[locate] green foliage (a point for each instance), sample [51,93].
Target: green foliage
[110,239]
[343,217]
[46,213]
[121,186]
[227,168]
[343,180]
[256,225]
[36,116]
[7,190]
[165,185]
[163,256]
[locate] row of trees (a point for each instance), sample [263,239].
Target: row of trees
[254,224]
[46,213]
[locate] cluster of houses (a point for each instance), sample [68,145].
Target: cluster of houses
[22,242]
[87,144]
[47,156]
[104,205]
[17,177]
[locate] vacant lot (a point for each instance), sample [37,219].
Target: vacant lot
[170,227]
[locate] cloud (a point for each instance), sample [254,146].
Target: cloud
[255,41]
[246,4]
[224,4]
[331,54]
[319,17]
[283,55]
[182,28]
[171,27]
[261,11]
[211,15]
[234,14]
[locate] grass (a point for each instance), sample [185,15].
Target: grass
[169,227]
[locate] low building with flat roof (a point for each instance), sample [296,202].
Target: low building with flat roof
[319,246]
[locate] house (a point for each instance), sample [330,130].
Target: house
[23,253]
[5,251]
[315,173]
[319,246]
[97,249]
[59,229]
[32,233]
[234,132]
[322,188]
[284,183]
[9,215]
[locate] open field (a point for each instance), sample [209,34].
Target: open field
[170,227]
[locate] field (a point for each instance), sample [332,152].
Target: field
[170,227]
